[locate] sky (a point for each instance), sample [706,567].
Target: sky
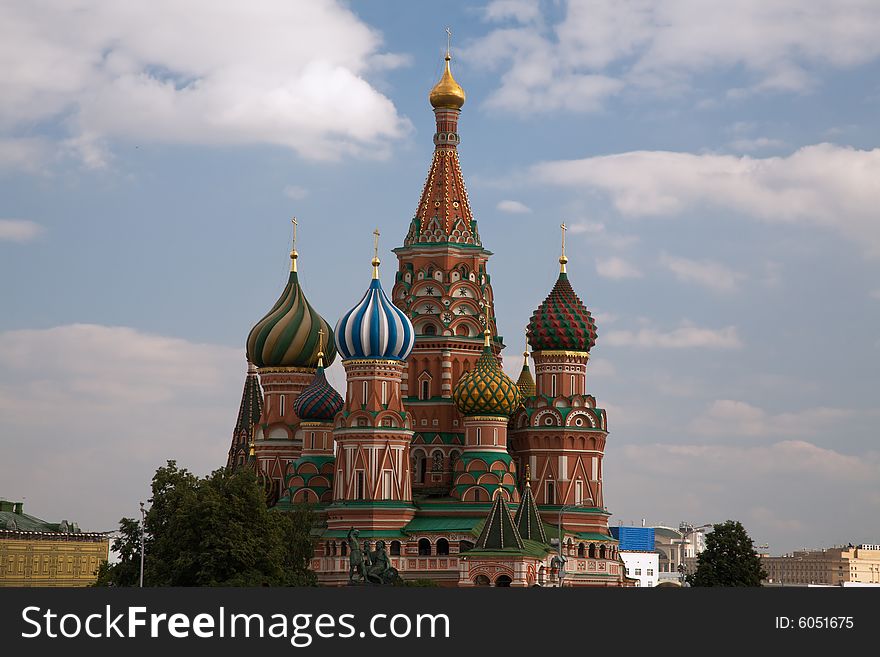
[717,164]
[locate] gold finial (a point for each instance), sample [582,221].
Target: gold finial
[497,491]
[528,475]
[293,254]
[253,437]
[526,352]
[487,333]
[562,259]
[321,347]
[447,94]
[376,261]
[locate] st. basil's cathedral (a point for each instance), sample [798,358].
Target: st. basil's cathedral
[466,476]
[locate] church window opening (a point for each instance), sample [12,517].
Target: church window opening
[384,392]
[364,391]
[430,329]
[395,548]
[550,493]
[386,484]
[425,392]
[442,547]
[360,487]
[578,491]
[424,547]
[552,385]
[281,405]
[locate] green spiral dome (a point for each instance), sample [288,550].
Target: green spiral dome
[288,336]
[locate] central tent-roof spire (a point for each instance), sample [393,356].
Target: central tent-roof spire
[444,214]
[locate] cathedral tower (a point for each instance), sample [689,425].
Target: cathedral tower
[558,436]
[443,286]
[372,482]
[284,345]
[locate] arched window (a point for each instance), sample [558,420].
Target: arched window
[333,548]
[503,580]
[482,580]
[425,391]
[601,551]
[344,550]
[581,550]
[592,550]
[442,547]
[424,547]
[430,329]
[395,548]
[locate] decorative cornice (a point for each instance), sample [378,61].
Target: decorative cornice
[287,370]
[559,352]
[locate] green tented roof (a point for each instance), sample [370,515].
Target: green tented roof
[530,548]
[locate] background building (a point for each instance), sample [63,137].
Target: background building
[638,554]
[34,552]
[837,566]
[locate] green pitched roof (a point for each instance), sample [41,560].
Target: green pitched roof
[499,532]
[527,520]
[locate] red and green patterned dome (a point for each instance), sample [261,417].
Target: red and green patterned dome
[486,389]
[562,322]
[319,401]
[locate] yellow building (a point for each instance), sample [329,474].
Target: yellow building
[34,552]
[837,566]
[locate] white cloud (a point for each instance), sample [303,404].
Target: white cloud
[683,337]
[599,47]
[101,407]
[751,144]
[728,417]
[824,184]
[295,192]
[711,275]
[616,268]
[588,227]
[523,11]
[513,207]
[19,230]
[875,294]
[198,73]
[25,154]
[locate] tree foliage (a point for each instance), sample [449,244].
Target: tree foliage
[729,559]
[217,531]
[126,571]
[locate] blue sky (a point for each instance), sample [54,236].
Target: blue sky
[718,166]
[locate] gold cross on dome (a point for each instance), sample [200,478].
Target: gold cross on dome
[448,39]
[376,243]
[562,226]
[295,224]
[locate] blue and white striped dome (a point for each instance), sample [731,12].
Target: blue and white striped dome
[375,328]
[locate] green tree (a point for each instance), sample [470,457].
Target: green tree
[217,531]
[126,571]
[729,559]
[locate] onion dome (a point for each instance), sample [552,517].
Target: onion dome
[375,328]
[288,335]
[447,94]
[562,322]
[525,382]
[486,389]
[319,401]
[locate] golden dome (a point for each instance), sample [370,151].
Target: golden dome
[447,94]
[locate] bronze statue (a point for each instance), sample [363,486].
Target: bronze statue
[356,565]
[370,567]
